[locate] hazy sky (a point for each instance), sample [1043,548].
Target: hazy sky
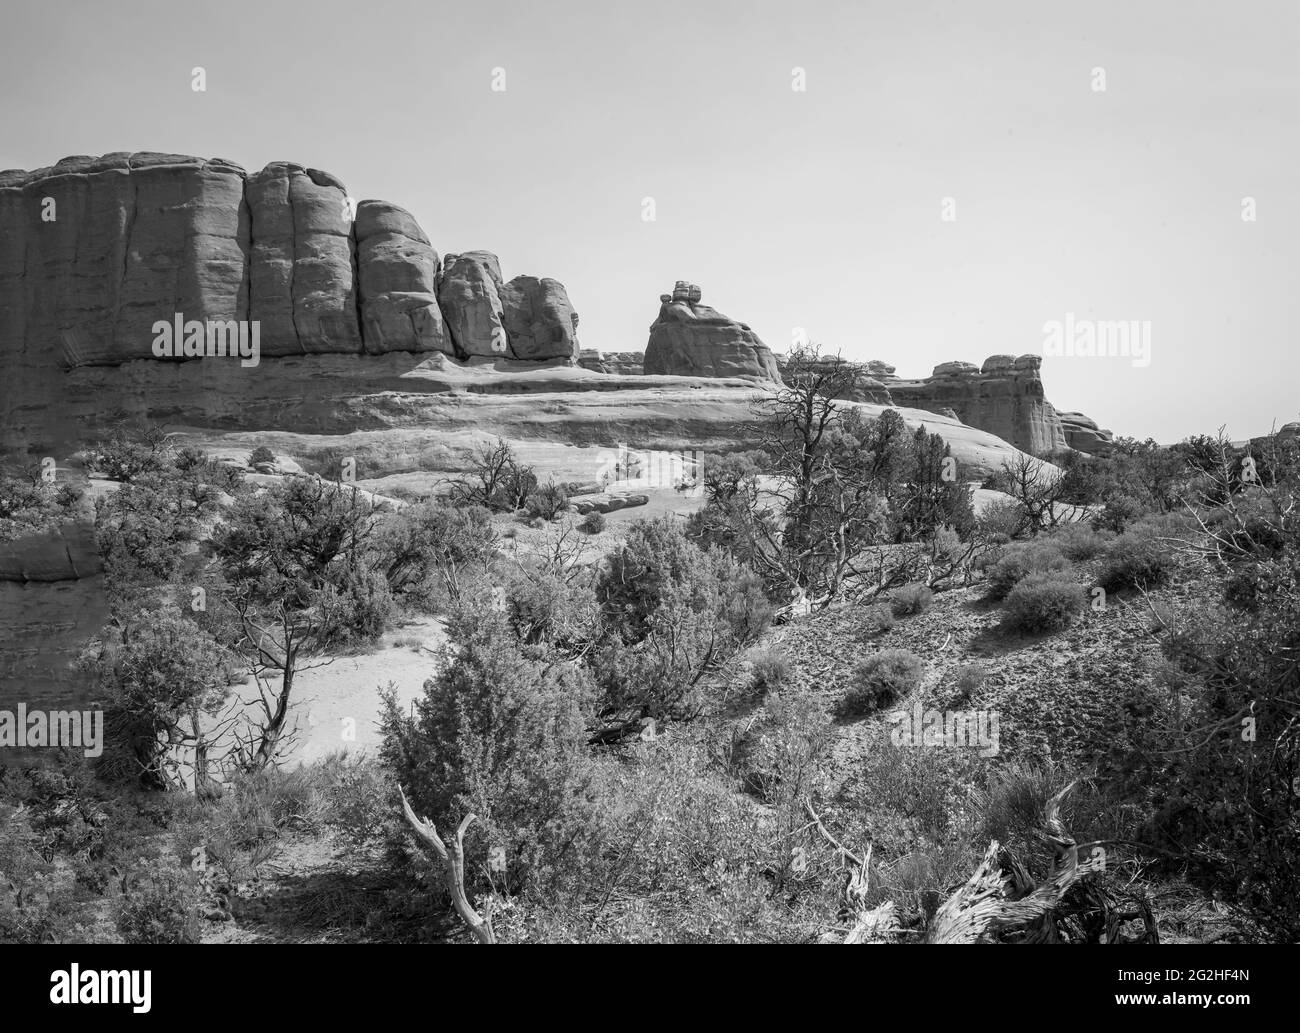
[819,209]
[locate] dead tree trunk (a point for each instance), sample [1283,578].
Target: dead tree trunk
[453,869]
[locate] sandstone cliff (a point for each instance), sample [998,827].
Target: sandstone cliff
[95,251]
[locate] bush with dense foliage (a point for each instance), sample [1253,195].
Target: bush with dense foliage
[880,681]
[910,600]
[500,732]
[1136,559]
[1043,602]
[1022,559]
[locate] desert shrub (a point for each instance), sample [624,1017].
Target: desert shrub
[124,458]
[673,613]
[771,667]
[778,755]
[429,552]
[143,530]
[910,599]
[555,606]
[156,674]
[1119,511]
[30,503]
[967,681]
[1136,559]
[1079,542]
[500,733]
[877,619]
[1018,561]
[160,906]
[497,480]
[880,680]
[1043,602]
[1004,517]
[594,522]
[355,607]
[547,502]
[1010,806]
[261,454]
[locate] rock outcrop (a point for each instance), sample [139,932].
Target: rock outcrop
[626,364]
[95,251]
[539,320]
[470,296]
[1083,434]
[1005,397]
[397,269]
[691,339]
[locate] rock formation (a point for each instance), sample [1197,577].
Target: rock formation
[694,340]
[95,251]
[398,282]
[470,296]
[1004,397]
[1083,434]
[539,320]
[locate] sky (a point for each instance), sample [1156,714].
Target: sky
[951,178]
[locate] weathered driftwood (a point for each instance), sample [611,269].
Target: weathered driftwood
[453,869]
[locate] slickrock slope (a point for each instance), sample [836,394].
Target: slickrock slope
[694,340]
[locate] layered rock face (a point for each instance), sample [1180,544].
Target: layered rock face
[1004,397]
[95,251]
[1083,434]
[691,339]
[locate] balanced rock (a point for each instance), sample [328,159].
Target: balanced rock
[692,339]
[539,320]
[397,270]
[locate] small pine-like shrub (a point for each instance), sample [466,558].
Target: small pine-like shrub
[880,681]
[1018,561]
[1043,602]
[593,522]
[910,599]
[261,454]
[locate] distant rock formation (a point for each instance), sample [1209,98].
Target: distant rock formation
[95,251]
[1004,397]
[627,364]
[1083,434]
[694,340]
